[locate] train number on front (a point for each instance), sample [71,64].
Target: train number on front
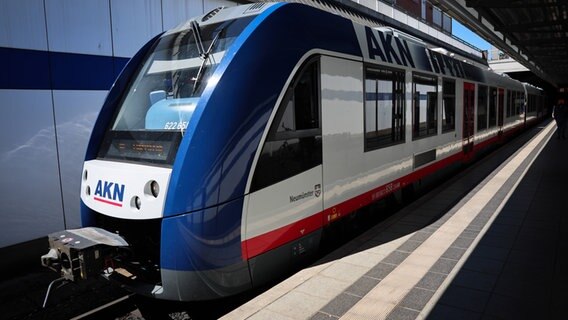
[173,125]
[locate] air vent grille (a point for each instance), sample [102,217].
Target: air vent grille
[211,14]
[255,7]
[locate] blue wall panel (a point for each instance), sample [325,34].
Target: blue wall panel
[79,26]
[30,191]
[83,72]
[134,22]
[22,24]
[30,69]
[176,12]
[75,114]
[24,69]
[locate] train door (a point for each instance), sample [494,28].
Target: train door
[525,97]
[468,116]
[501,108]
[343,146]
[282,219]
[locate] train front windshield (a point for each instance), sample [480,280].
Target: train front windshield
[160,100]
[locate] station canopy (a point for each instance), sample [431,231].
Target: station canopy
[538,28]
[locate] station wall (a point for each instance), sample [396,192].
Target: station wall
[58,58]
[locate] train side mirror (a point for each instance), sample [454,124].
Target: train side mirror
[156,96]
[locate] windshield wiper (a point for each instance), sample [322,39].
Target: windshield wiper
[197,35]
[205,55]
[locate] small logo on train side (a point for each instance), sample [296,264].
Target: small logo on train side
[316,192]
[109,192]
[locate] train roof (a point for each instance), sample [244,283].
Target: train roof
[390,46]
[221,14]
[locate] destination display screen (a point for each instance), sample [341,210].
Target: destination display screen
[140,149]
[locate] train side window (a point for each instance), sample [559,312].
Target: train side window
[528,101]
[482,108]
[532,103]
[509,95]
[384,108]
[514,99]
[424,106]
[448,105]
[512,106]
[521,103]
[513,103]
[492,107]
[293,144]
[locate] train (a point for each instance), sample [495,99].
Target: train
[230,144]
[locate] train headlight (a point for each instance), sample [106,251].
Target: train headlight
[152,189]
[136,202]
[155,188]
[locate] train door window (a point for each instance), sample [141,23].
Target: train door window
[521,103]
[492,107]
[425,106]
[513,103]
[293,144]
[514,99]
[529,103]
[384,108]
[522,107]
[448,105]
[516,103]
[509,103]
[532,103]
[500,106]
[482,108]
[468,114]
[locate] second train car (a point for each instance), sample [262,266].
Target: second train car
[228,144]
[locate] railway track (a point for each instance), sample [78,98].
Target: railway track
[122,308]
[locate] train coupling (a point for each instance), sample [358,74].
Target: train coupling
[81,254]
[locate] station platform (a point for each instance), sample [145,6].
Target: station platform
[492,243]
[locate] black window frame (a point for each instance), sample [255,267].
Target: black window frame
[492,108]
[431,128]
[448,98]
[482,92]
[271,170]
[375,139]
[509,103]
[521,103]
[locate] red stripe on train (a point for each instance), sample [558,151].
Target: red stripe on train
[117,204]
[275,238]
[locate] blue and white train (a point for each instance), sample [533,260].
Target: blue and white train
[229,144]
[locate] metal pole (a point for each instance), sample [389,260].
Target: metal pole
[49,289]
